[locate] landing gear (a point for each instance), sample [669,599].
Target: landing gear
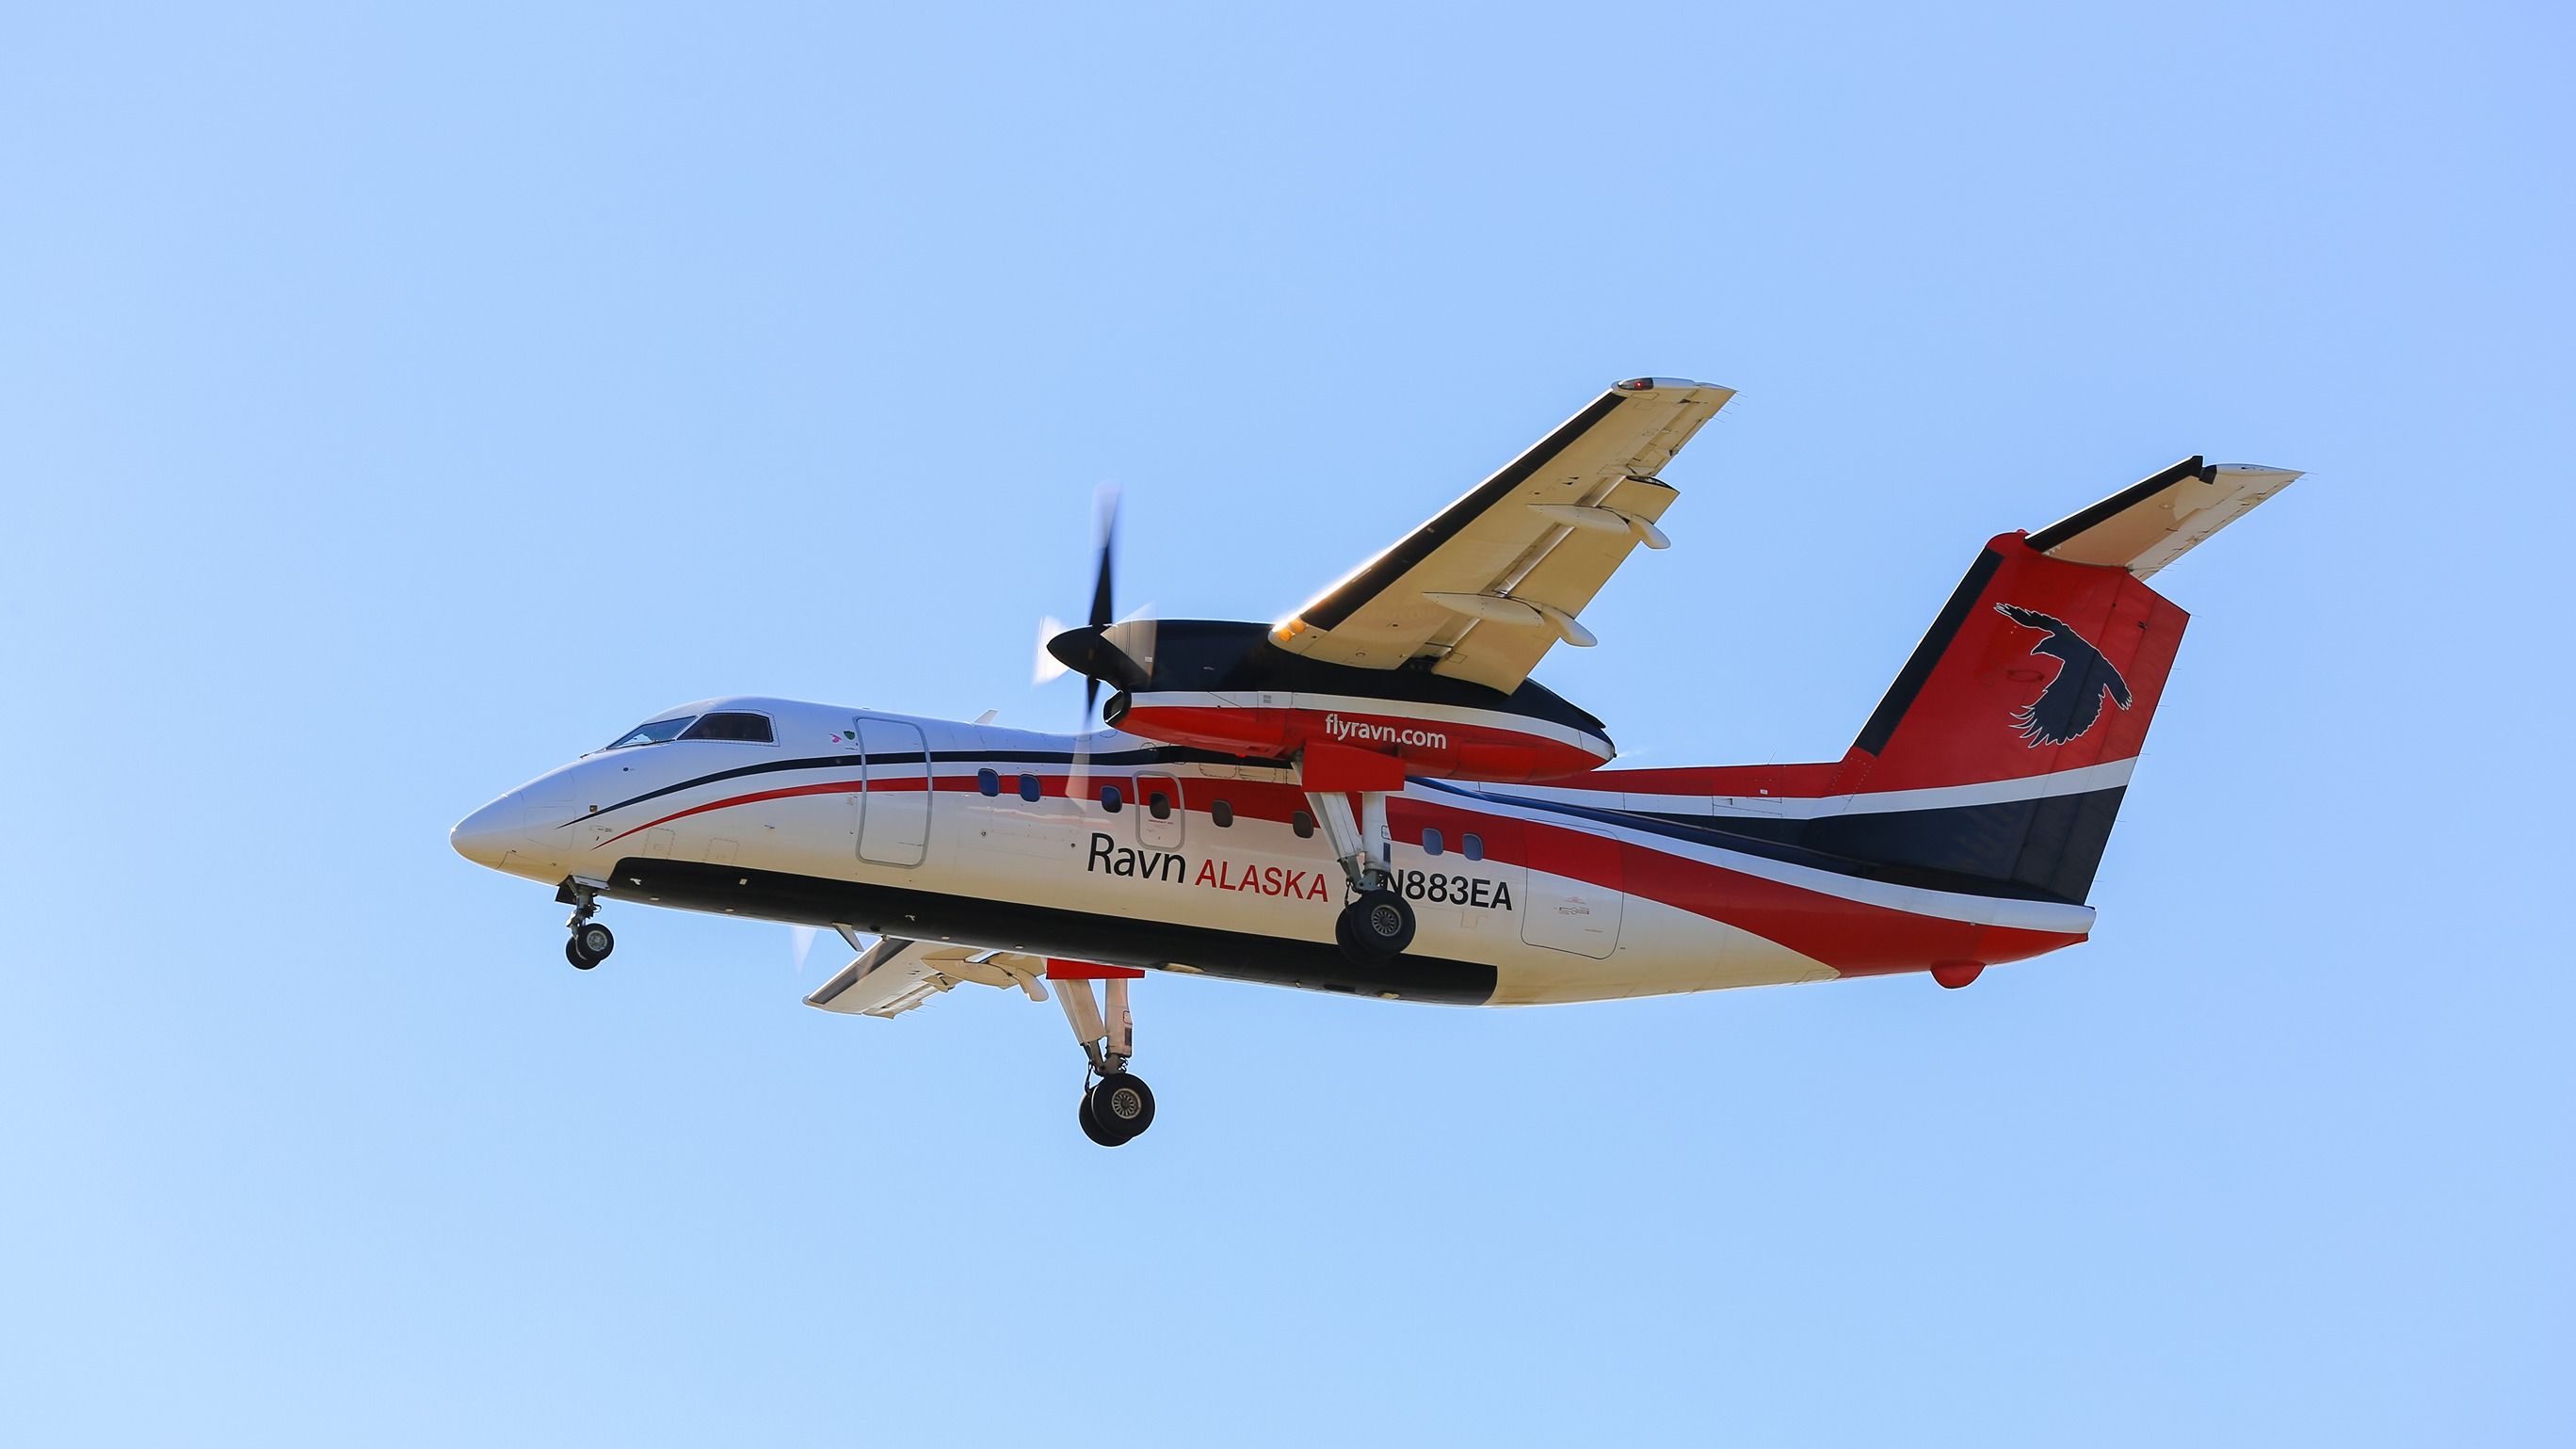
[1376,924]
[1116,1106]
[1117,1109]
[591,942]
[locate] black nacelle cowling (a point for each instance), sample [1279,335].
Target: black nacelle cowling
[1234,656]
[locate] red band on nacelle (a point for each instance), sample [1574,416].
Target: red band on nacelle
[1429,747]
[1341,768]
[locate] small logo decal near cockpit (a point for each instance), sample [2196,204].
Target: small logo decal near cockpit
[2072,703]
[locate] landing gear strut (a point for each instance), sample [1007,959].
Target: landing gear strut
[1375,923]
[1116,1105]
[591,942]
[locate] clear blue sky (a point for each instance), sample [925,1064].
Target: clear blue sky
[393,406]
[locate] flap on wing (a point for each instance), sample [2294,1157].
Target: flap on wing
[895,975]
[2149,524]
[1496,579]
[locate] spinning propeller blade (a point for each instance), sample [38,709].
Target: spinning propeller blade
[1106,646]
[1103,589]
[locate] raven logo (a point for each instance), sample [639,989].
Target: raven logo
[2072,703]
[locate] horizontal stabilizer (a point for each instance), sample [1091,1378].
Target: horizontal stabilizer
[2145,526]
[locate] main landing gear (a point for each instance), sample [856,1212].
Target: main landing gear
[1116,1105]
[1376,923]
[591,942]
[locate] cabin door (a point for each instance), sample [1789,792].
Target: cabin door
[894,806]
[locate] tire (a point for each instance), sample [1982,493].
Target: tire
[1378,925]
[1122,1105]
[1352,950]
[595,941]
[1092,1129]
[580,962]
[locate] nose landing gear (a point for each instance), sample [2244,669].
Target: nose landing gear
[591,942]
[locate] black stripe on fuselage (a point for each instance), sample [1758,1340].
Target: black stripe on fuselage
[2044,849]
[1157,755]
[1115,940]
[2020,850]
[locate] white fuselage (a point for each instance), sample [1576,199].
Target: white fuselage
[923,828]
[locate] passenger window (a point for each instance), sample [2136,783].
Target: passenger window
[1158,805]
[988,782]
[1222,814]
[1303,824]
[1109,800]
[1472,845]
[1028,787]
[752,729]
[1431,842]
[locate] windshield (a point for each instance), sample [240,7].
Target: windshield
[732,725]
[654,733]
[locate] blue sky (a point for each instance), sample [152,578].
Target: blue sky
[393,405]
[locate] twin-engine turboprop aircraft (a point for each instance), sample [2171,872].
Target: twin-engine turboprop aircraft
[1372,797]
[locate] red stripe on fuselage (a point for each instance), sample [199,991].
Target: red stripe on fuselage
[1855,938]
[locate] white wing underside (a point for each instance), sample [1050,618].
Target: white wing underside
[1499,577]
[895,975]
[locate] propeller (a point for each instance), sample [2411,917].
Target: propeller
[1103,585]
[1120,650]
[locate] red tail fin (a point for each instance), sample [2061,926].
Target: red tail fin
[1998,759]
[2034,667]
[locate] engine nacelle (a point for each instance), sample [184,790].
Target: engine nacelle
[1224,686]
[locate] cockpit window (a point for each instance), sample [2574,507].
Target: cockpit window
[732,725]
[653,733]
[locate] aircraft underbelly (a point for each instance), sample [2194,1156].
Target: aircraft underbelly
[1662,951]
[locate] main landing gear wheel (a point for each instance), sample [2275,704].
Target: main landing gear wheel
[593,940]
[1116,1106]
[1117,1109]
[1375,926]
[580,962]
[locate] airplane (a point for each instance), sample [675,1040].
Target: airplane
[1372,797]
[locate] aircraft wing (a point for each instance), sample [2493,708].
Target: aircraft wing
[895,975]
[1485,588]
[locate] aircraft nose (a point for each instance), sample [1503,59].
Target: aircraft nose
[491,833]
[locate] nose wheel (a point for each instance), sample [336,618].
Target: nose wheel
[591,942]
[590,945]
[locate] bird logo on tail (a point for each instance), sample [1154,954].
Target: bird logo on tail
[2072,703]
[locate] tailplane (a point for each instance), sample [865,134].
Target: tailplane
[1998,759]
[2003,748]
